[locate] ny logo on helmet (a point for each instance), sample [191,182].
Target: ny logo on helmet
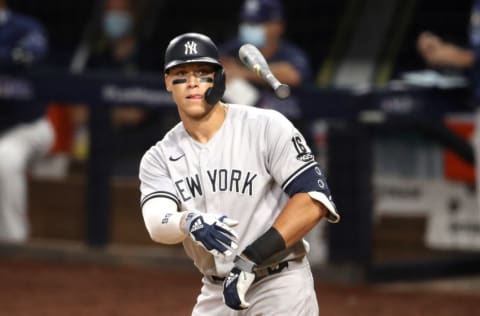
[191,48]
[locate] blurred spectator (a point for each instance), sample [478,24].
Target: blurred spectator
[118,44]
[263,23]
[25,131]
[442,54]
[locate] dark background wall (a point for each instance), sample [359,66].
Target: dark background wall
[312,24]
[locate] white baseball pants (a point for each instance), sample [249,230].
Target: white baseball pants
[18,147]
[290,292]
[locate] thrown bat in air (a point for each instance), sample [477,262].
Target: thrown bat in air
[253,59]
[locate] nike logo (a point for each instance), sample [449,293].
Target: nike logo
[175,159]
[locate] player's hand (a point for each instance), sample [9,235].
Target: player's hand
[212,232]
[238,282]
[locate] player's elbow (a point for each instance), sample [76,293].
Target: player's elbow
[161,235]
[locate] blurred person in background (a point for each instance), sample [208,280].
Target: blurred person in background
[263,23]
[25,130]
[118,44]
[443,54]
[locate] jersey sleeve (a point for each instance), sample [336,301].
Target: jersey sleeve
[154,178]
[288,155]
[293,165]
[25,41]
[34,40]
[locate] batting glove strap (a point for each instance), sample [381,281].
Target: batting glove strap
[244,263]
[212,232]
[235,288]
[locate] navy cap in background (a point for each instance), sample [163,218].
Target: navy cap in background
[259,11]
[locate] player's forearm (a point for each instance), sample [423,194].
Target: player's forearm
[162,221]
[450,55]
[286,73]
[283,71]
[464,58]
[298,217]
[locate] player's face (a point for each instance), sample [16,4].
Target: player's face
[188,84]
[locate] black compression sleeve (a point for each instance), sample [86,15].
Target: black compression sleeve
[265,246]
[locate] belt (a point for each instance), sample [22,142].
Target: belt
[259,274]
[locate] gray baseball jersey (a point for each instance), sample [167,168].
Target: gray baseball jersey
[242,172]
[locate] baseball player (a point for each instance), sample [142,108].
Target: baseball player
[26,133]
[239,187]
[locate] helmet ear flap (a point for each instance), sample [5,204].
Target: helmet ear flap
[215,93]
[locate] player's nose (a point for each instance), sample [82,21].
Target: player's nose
[192,79]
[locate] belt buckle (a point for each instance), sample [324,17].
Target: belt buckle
[259,274]
[277,268]
[273,269]
[217,279]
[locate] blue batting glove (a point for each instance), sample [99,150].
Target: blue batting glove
[212,232]
[238,282]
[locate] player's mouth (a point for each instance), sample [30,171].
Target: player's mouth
[195,96]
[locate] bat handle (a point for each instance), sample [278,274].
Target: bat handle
[282,91]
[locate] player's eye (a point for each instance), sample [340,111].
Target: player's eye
[181,73]
[202,72]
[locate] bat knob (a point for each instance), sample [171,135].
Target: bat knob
[282,91]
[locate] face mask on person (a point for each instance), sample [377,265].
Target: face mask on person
[117,24]
[252,33]
[3,16]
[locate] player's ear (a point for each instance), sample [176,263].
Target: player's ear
[168,85]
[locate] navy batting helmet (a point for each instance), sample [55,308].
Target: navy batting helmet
[191,48]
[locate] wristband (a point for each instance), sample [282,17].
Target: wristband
[244,263]
[265,246]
